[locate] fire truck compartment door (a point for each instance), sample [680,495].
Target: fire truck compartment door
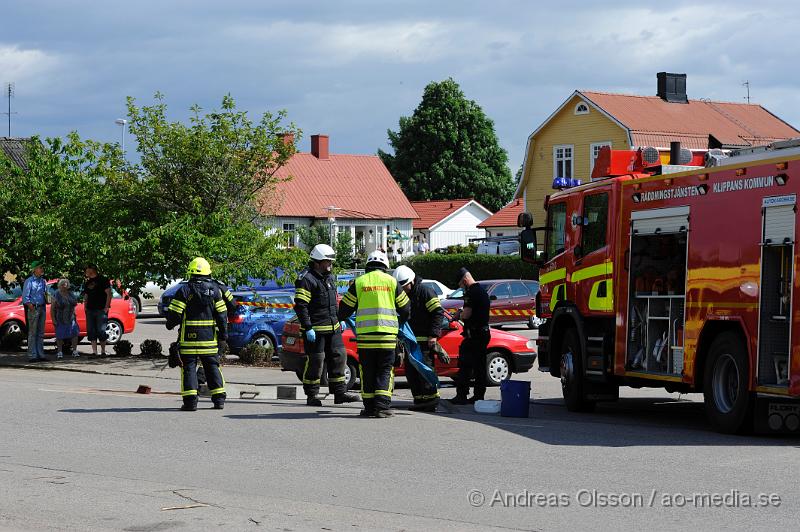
[660,221]
[779,220]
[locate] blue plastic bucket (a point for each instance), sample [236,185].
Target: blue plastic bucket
[515,398]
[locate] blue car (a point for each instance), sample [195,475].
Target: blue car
[257,285]
[259,325]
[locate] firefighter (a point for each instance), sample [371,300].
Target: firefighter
[315,306]
[380,305]
[472,352]
[199,308]
[426,321]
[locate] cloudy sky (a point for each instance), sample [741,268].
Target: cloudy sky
[351,68]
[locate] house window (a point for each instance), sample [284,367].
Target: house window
[290,234]
[594,150]
[582,109]
[562,161]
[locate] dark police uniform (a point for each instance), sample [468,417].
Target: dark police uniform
[426,321]
[199,308]
[315,306]
[472,352]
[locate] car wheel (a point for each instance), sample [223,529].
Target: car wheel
[572,374]
[264,341]
[498,368]
[351,374]
[114,331]
[533,323]
[728,403]
[12,327]
[137,306]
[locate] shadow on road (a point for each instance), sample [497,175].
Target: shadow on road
[116,410]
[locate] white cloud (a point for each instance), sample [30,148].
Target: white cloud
[25,65]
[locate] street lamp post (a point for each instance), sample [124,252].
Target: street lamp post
[331,222]
[122,123]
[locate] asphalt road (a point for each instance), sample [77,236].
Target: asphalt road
[81,452]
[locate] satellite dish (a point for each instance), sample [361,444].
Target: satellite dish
[651,155]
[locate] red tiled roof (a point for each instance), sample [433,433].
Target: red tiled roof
[505,217]
[359,185]
[654,122]
[432,212]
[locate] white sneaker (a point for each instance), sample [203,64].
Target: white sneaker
[59,355]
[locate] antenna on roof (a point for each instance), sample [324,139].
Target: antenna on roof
[9,90]
[747,84]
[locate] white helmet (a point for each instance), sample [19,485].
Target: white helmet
[323,252]
[379,257]
[404,275]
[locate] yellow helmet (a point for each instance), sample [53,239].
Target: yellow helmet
[199,266]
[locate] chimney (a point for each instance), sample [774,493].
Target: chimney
[319,147]
[288,138]
[672,87]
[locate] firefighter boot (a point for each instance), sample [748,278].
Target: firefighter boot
[189,404]
[219,400]
[312,400]
[345,398]
[425,406]
[460,400]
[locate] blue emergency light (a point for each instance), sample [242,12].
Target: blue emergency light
[560,183]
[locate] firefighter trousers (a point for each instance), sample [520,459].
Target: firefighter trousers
[377,378]
[328,350]
[422,390]
[214,378]
[472,363]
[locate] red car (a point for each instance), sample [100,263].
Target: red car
[512,301]
[508,353]
[121,316]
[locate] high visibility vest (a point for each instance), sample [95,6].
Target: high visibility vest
[377,313]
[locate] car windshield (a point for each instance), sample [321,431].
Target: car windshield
[458,293]
[10,294]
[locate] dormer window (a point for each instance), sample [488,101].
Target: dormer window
[582,109]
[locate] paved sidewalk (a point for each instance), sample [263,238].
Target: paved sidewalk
[137,367]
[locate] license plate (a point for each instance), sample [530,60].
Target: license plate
[291,340]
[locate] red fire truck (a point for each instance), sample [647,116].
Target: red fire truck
[682,280]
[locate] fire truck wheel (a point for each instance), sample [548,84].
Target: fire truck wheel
[728,403]
[572,374]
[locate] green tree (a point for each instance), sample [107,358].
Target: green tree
[320,234]
[448,149]
[200,190]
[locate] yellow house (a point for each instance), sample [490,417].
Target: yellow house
[567,143]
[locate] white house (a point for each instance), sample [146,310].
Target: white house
[354,193]
[445,223]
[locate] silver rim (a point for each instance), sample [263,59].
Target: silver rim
[113,332]
[13,328]
[263,341]
[498,368]
[726,383]
[567,370]
[347,374]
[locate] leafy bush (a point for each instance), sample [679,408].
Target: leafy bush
[444,268]
[458,249]
[151,349]
[123,348]
[254,354]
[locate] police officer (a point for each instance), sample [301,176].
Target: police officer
[380,305]
[199,308]
[472,352]
[315,306]
[426,322]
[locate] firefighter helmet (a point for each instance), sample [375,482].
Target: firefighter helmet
[323,252]
[199,266]
[379,257]
[404,275]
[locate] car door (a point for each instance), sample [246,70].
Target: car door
[522,300]
[450,340]
[501,303]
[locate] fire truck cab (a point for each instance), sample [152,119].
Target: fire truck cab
[682,280]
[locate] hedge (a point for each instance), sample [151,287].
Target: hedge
[444,268]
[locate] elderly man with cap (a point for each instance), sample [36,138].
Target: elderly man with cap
[34,298]
[426,320]
[472,353]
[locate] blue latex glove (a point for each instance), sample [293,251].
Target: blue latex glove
[343,325]
[311,335]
